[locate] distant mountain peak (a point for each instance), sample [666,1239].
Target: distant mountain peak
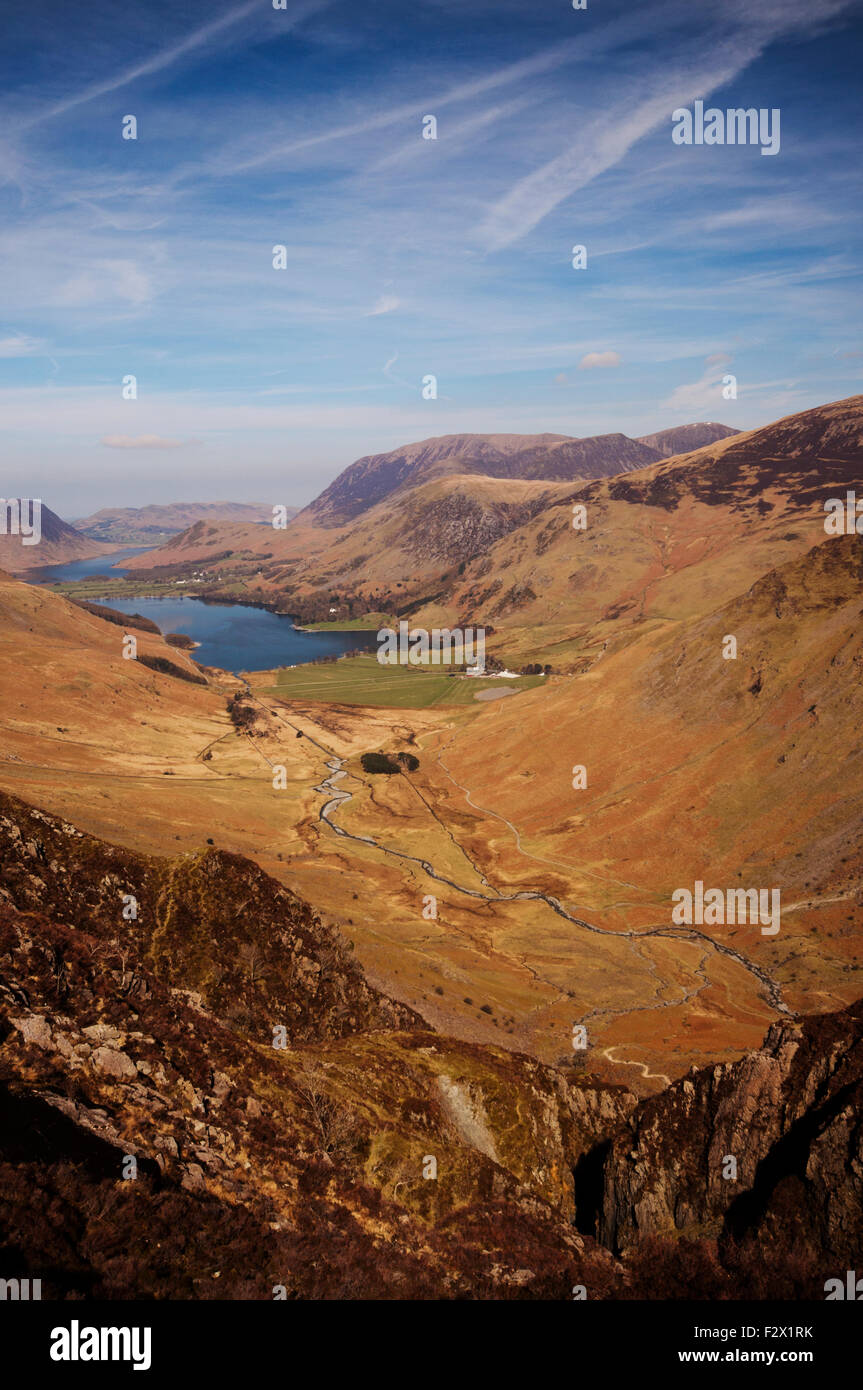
[534,457]
[682,439]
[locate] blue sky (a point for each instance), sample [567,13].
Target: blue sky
[405,256]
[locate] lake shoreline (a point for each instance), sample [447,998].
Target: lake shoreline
[95,593]
[238,636]
[235,632]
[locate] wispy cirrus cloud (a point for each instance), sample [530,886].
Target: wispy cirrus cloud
[695,70]
[155,257]
[386,304]
[525,69]
[21,345]
[165,57]
[693,397]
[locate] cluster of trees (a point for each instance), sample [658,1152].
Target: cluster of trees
[533,668]
[113,615]
[388,763]
[242,711]
[168,668]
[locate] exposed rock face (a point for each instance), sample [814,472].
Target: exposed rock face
[459,527]
[301,1167]
[789,1114]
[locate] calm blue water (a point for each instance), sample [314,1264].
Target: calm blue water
[82,569]
[239,638]
[231,636]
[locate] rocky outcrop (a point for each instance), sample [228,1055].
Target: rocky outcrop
[459,526]
[305,1167]
[768,1148]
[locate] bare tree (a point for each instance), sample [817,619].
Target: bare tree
[254,961]
[338,1127]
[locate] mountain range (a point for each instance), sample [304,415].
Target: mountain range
[199,529]
[404,534]
[541,457]
[392,524]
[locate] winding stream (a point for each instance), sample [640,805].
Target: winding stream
[337,796]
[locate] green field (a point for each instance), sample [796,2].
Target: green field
[91,590]
[362,680]
[369,622]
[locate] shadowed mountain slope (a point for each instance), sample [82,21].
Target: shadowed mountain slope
[672,540]
[789,1115]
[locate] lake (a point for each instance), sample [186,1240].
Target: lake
[230,635]
[83,569]
[239,638]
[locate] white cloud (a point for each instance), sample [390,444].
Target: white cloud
[546,61]
[679,79]
[143,441]
[599,359]
[108,279]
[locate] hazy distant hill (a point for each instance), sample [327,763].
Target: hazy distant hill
[682,439]
[59,543]
[154,524]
